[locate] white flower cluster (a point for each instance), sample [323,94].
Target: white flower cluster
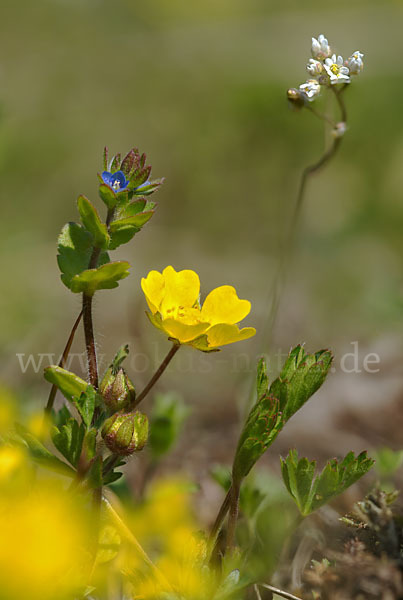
[325,68]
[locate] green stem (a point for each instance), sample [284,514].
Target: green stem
[215,530]
[157,374]
[233,514]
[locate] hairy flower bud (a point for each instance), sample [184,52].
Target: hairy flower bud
[117,390]
[125,433]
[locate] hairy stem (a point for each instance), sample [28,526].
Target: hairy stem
[62,362]
[87,314]
[158,373]
[90,341]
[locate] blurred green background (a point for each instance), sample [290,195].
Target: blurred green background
[200,87]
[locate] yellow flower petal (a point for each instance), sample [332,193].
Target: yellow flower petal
[182,332]
[222,334]
[222,305]
[182,288]
[153,287]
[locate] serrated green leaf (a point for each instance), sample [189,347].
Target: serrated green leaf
[85,405]
[102,278]
[310,492]
[93,223]
[41,454]
[75,246]
[300,377]
[68,439]
[68,383]
[107,195]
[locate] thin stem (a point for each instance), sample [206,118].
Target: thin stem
[90,340]
[158,373]
[288,246]
[222,513]
[62,362]
[279,592]
[321,116]
[87,314]
[233,514]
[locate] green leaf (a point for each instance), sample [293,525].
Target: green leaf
[123,230]
[133,208]
[310,492]
[85,405]
[150,188]
[94,475]
[68,439]
[136,220]
[262,380]
[68,383]
[41,454]
[92,222]
[299,379]
[122,236]
[90,444]
[107,195]
[61,417]
[75,246]
[102,278]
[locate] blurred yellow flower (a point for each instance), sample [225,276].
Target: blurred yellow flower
[44,532]
[173,299]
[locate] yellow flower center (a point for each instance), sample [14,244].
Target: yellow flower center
[335,69]
[116,185]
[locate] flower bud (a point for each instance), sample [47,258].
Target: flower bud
[117,390]
[295,98]
[125,433]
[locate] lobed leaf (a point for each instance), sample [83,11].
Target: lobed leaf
[300,378]
[68,439]
[310,492]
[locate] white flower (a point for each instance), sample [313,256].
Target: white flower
[337,72]
[339,130]
[314,67]
[320,47]
[310,89]
[355,62]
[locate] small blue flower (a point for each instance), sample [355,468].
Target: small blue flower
[117,181]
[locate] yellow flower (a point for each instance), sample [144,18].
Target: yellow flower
[173,299]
